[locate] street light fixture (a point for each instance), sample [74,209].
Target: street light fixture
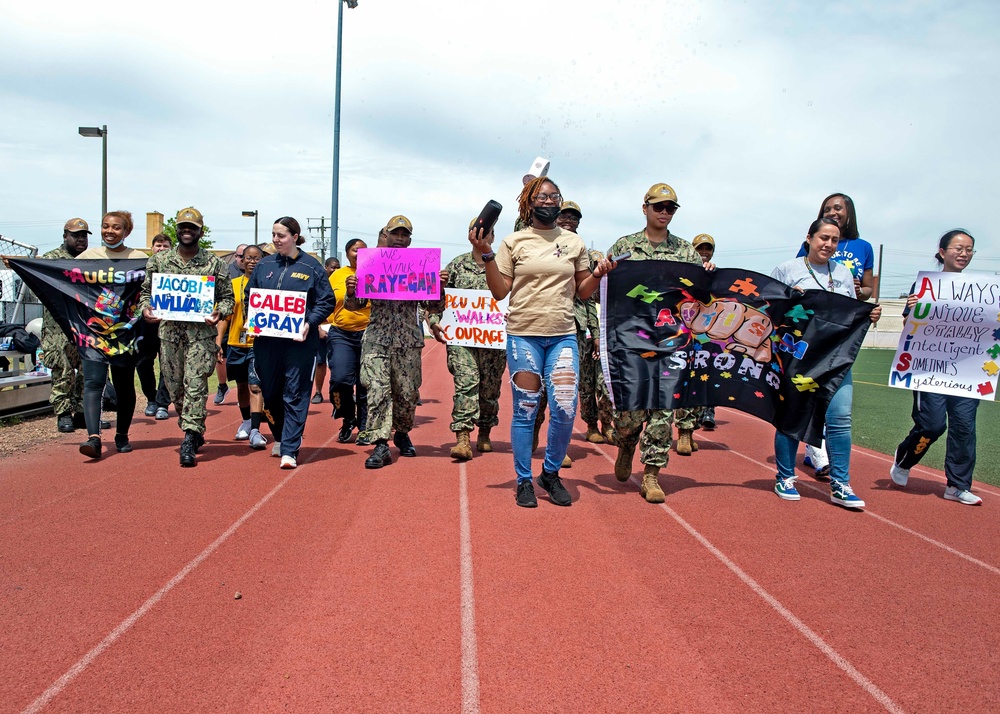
[254,214]
[102,132]
[334,208]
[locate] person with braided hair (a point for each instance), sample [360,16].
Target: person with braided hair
[542,267]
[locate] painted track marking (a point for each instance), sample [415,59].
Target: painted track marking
[843,664]
[947,548]
[125,625]
[470,649]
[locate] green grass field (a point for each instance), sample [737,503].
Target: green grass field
[881,417]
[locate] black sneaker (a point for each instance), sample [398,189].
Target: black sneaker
[380,457]
[708,422]
[363,440]
[345,432]
[105,424]
[317,398]
[65,424]
[79,421]
[91,447]
[557,492]
[526,494]
[402,441]
[188,449]
[122,444]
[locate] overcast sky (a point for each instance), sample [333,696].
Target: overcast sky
[752,111]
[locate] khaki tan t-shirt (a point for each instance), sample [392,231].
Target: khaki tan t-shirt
[543,266]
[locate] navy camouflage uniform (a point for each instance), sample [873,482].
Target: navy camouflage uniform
[62,357]
[188,350]
[654,445]
[390,363]
[477,371]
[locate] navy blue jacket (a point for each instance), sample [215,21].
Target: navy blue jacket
[302,274]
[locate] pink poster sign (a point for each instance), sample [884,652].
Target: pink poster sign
[399,273]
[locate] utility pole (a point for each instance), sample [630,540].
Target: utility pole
[322,236]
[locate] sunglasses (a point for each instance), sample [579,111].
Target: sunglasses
[668,206]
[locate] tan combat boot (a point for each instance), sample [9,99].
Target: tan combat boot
[593,435]
[462,450]
[623,464]
[567,462]
[483,444]
[685,442]
[650,488]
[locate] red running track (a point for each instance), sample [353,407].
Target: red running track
[423,588]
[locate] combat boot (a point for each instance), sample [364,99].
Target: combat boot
[188,448]
[623,464]
[685,442]
[650,488]
[462,450]
[567,462]
[483,444]
[593,435]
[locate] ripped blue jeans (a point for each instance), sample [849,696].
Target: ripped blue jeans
[555,361]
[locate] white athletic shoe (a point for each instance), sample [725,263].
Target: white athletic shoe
[967,497]
[288,462]
[257,440]
[243,433]
[817,458]
[276,449]
[898,474]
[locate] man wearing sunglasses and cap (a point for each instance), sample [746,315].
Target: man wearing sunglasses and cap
[58,354]
[654,242]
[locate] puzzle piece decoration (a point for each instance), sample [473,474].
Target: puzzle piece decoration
[985,388]
[645,294]
[744,286]
[804,384]
[799,313]
[687,282]
[996,334]
[994,351]
[642,334]
[991,368]
[648,355]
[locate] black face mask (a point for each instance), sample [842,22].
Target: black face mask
[545,214]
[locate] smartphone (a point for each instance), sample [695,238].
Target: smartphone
[488,217]
[624,256]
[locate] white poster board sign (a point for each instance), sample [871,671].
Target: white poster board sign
[474,318]
[951,339]
[276,313]
[182,298]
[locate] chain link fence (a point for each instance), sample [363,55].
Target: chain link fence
[18,305]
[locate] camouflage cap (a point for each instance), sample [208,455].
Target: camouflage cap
[76,224]
[571,206]
[190,215]
[660,192]
[703,239]
[398,222]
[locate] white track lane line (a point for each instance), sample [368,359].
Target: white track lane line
[470,647]
[125,625]
[980,486]
[843,664]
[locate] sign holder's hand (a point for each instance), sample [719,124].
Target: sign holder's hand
[148,316]
[213,319]
[301,337]
[438,333]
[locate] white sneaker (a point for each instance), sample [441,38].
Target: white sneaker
[276,449]
[898,474]
[257,440]
[243,433]
[817,458]
[967,497]
[288,462]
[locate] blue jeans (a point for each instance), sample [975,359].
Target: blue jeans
[838,437]
[555,361]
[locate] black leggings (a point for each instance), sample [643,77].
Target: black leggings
[95,375]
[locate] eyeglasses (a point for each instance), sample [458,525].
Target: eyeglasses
[543,197]
[239,255]
[962,251]
[250,260]
[668,206]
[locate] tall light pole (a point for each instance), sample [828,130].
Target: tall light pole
[336,126]
[254,214]
[102,132]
